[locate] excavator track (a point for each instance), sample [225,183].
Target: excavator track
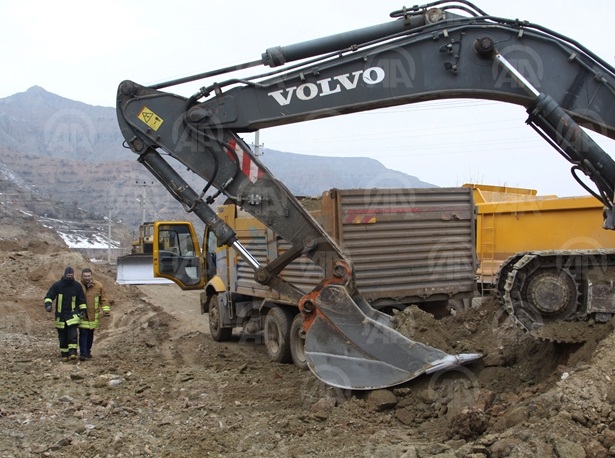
[559,295]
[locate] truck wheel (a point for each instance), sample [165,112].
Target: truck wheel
[277,335]
[218,333]
[297,342]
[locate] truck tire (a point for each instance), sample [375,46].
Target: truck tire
[297,342]
[218,333]
[277,334]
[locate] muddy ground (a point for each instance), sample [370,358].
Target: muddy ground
[159,386]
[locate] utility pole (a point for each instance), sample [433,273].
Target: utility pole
[143,200]
[110,208]
[109,239]
[256,146]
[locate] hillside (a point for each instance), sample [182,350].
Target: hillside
[65,223]
[72,152]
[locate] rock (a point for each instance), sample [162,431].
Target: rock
[380,400]
[434,449]
[39,448]
[101,382]
[115,382]
[494,359]
[428,396]
[567,449]
[410,453]
[564,415]
[515,416]
[96,400]
[324,404]
[469,424]
[579,417]
[595,450]
[504,447]
[467,396]
[405,416]
[456,443]
[608,438]
[64,442]
[142,388]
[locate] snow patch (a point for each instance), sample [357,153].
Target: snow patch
[78,240]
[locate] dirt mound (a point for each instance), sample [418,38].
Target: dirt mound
[158,385]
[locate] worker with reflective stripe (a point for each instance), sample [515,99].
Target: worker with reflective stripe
[96,300]
[70,305]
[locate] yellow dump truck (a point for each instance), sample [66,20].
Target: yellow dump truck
[547,256]
[407,246]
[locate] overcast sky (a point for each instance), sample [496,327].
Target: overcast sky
[82,50]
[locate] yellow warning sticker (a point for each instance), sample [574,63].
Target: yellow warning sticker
[150,118]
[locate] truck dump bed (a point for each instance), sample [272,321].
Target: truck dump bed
[515,220]
[408,246]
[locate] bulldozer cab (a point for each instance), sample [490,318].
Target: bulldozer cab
[144,244]
[177,255]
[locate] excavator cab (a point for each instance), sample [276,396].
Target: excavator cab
[177,255]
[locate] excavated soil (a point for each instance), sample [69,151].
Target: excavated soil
[159,386]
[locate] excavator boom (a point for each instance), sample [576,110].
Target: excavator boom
[442,50]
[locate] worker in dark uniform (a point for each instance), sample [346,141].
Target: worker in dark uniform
[70,307]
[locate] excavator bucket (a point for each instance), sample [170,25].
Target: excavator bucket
[137,269]
[347,349]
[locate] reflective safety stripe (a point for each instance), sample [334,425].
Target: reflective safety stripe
[60,324]
[60,301]
[89,324]
[93,322]
[74,320]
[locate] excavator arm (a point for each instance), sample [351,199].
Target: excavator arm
[441,50]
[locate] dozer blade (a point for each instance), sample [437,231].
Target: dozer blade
[346,349]
[137,269]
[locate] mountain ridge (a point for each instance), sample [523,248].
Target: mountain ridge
[73,152]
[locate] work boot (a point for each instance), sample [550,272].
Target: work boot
[82,358]
[65,359]
[73,357]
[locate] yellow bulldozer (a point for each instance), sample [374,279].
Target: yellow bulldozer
[136,268]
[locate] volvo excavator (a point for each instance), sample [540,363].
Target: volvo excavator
[444,49]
